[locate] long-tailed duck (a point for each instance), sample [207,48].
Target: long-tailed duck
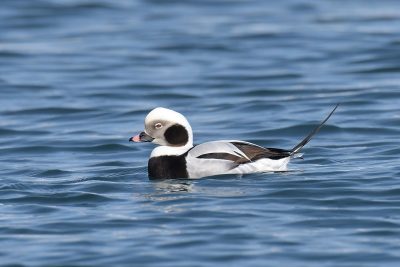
[177,157]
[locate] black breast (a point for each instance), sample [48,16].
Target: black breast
[167,167]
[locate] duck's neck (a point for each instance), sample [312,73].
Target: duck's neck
[170,150]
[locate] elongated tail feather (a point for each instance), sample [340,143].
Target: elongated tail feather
[307,139]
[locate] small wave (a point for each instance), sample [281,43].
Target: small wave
[49,110]
[345,223]
[173,96]
[110,164]
[53,173]
[378,233]
[67,198]
[252,77]
[11,132]
[31,149]
[106,148]
[377,70]
[195,46]
[11,54]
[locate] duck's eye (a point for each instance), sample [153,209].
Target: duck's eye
[158,125]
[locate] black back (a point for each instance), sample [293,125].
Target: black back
[167,167]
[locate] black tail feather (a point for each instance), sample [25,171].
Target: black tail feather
[307,139]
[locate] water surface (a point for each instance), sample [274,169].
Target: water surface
[77,78]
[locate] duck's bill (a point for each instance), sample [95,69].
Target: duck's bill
[142,137]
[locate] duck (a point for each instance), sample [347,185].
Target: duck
[177,157]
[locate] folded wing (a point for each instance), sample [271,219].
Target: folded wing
[236,152]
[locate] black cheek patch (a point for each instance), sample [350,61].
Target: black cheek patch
[176,135]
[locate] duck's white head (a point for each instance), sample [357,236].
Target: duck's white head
[166,127]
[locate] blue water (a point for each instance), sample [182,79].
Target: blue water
[77,78]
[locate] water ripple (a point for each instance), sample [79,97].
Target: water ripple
[78,77]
